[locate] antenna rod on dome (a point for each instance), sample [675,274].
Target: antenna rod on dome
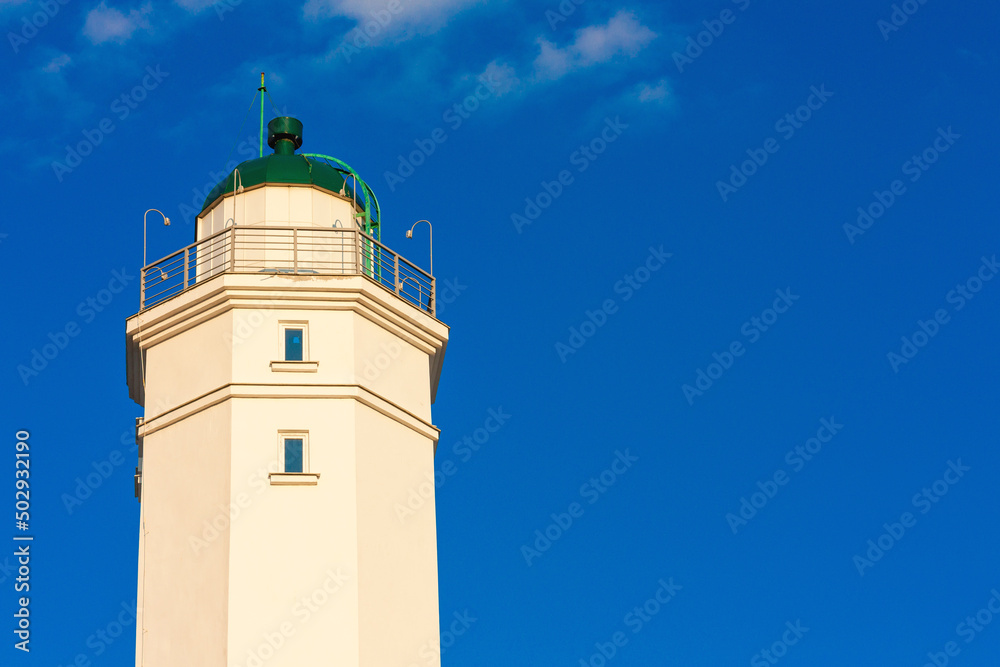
[262,90]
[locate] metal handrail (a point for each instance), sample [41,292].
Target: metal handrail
[294,250]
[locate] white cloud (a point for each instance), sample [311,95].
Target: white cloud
[57,63]
[195,5]
[654,93]
[501,77]
[553,62]
[107,24]
[387,12]
[622,34]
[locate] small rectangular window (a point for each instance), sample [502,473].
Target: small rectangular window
[291,349]
[294,451]
[294,344]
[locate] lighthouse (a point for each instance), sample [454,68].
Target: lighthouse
[286,361]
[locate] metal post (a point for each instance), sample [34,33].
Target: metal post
[187,262]
[396,270]
[432,301]
[142,289]
[232,249]
[357,251]
[295,250]
[166,222]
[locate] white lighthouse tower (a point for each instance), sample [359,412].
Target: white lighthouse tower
[286,362]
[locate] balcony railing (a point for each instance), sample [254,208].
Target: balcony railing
[312,251]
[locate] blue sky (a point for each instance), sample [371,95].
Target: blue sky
[725,267]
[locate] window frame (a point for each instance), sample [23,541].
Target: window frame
[293,435]
[285,326]
[282,365]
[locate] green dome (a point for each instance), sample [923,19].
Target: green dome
[283,166]
[282,169]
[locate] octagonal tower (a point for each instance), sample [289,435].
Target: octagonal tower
[286,362]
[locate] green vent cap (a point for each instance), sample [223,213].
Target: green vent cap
[284,135]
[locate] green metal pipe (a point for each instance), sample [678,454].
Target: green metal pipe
[261,90]
[374,270]
[365,190]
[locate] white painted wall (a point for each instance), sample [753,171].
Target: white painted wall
[278,205]
[183,595]
[288,537]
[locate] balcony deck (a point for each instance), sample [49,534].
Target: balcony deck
[312,251]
